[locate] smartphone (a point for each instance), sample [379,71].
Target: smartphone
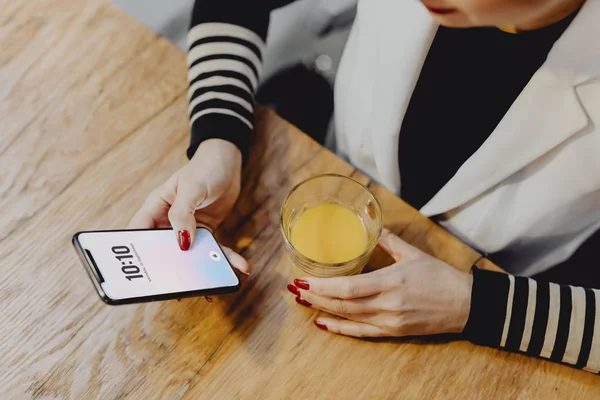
[136,266]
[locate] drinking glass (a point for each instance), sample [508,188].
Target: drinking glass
[327,189]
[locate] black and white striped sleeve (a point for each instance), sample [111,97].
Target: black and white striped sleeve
[226,41]
[559,323]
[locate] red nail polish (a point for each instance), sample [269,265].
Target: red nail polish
[293,289]
[302,284]
[303,302]
[320,325]
[185,240]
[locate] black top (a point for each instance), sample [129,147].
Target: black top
[469,80]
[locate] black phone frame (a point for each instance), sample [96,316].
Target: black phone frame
[147,299]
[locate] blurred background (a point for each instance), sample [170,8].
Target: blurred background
[304,47]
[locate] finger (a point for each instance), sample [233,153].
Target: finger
[345,287]
[188,197]
[350,328]
[155,206]
[339,307]
[394,246]
[238,262]
[142,220]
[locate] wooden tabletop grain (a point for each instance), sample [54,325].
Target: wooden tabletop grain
[93,116]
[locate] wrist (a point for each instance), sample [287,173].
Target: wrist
[221,150]
[220,126]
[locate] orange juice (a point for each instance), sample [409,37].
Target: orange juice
[329,233]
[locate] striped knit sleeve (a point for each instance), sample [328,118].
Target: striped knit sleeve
[546,320]
[226,42]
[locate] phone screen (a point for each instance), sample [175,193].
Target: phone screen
[149,263]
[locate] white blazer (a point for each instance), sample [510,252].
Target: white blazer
[532,191]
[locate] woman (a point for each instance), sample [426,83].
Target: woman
[509,111]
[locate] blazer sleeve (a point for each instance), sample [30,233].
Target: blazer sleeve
[226,42]
[556,322]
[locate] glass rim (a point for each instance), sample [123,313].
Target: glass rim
[304,258]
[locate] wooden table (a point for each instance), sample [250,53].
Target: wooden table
[93,116]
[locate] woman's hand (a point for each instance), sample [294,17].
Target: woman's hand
[201,193]
[418,295]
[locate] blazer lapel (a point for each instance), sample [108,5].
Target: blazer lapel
[402,33]
[545,114]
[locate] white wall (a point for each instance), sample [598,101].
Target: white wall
[292,34]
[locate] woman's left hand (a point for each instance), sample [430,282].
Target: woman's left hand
[418,295]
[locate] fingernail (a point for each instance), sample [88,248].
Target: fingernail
[303,302]
[184,240]
[208,299]
[301,284]
[320,325]
[293,289]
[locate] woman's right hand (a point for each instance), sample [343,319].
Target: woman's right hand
[201,193]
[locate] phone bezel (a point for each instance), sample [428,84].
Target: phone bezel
[146,299]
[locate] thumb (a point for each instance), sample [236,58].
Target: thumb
[397,248]
[236,261]
[181,214]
